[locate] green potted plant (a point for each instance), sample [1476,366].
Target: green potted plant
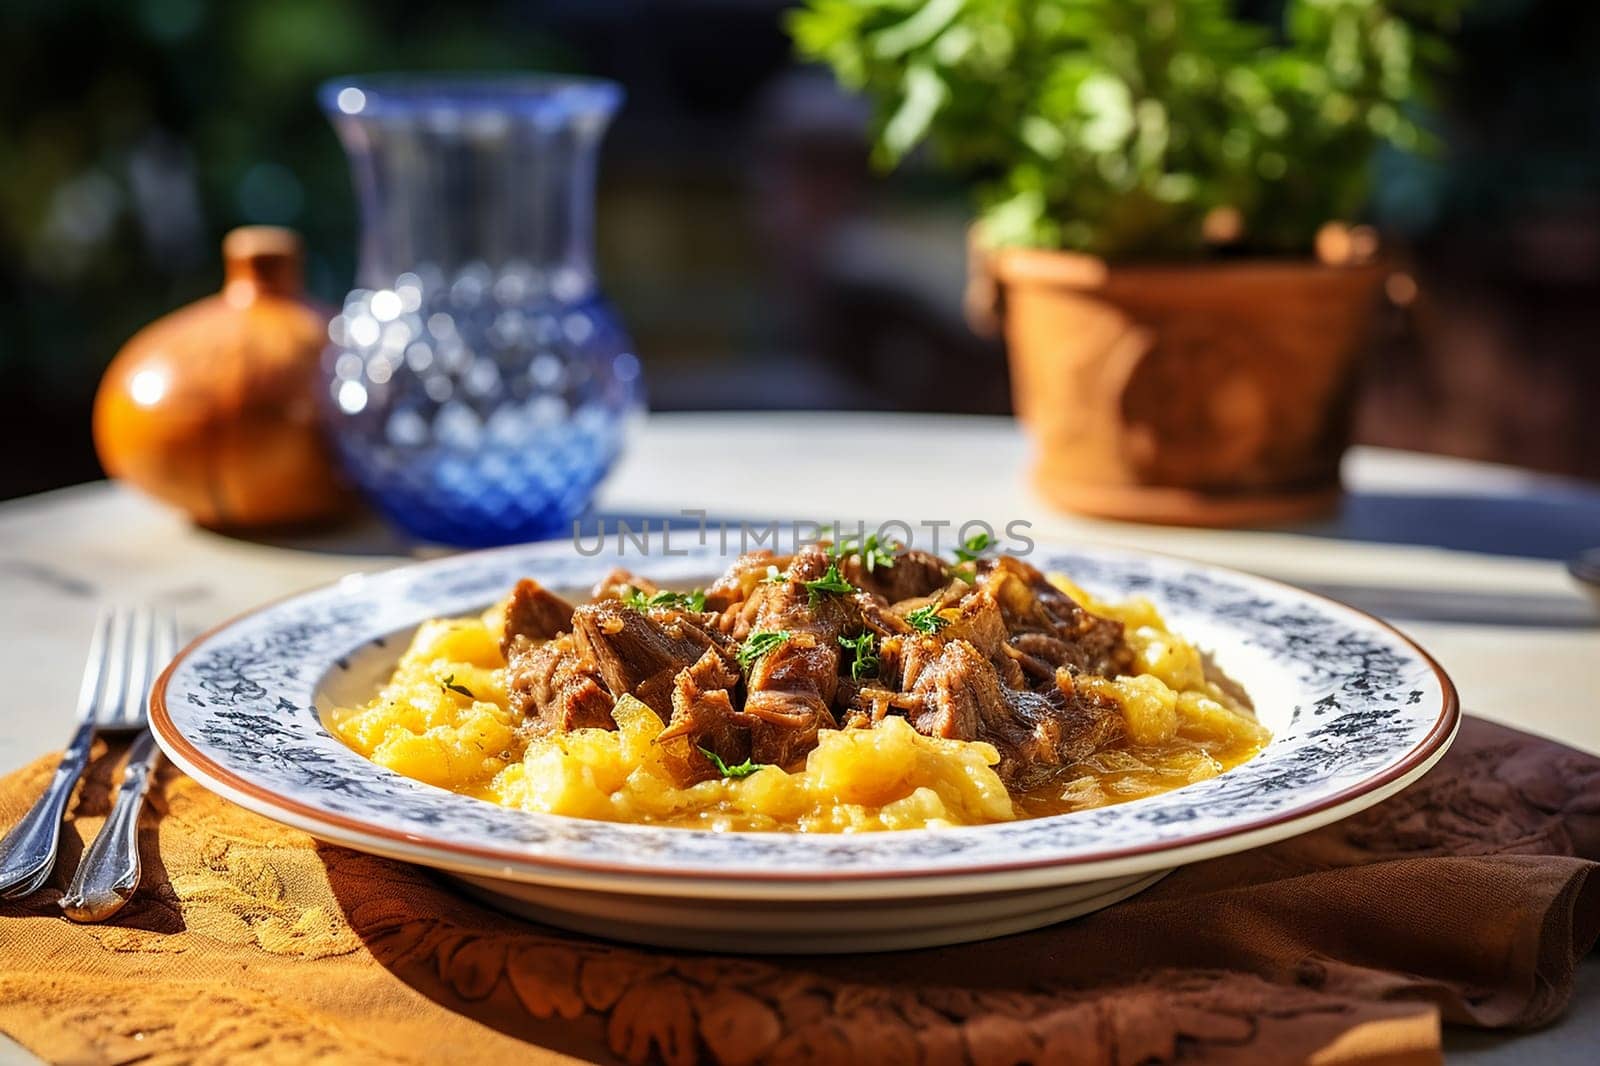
[1165,195]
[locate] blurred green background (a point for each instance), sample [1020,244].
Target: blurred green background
[757,258]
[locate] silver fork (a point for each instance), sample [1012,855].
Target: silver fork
[127,651]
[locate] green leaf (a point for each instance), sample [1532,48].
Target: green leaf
[975,547]
[830,581]
[1107,106]
[685,601]
[918,30]
[758,644]
[873,552]
[925,93]
[742,770]
[926,619]
[865,647]
[449,685]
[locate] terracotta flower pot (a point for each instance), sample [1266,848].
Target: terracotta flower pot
[1205,394]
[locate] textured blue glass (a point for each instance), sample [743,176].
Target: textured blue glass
[477,385]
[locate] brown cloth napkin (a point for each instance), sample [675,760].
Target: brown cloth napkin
[1467,898]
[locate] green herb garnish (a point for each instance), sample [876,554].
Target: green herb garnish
[449,685]
[830,581]
[927,619]
[758,644]
[775,577]
[874,552]
[974,547]
[866,648]
[742,770]
[687,601]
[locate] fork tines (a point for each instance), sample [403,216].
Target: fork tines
[129,647]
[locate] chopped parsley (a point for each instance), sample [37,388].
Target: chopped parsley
[774,576]
[686,601]
[758,644]
[449,685]
[744,769]
[975,547]
[830,581]
[874,552]
[927,619]
[866,648]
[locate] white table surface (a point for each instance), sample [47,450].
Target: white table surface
[1463,556]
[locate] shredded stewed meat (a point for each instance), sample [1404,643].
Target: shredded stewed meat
[555,688]
[534,613]
[640,652]
[786,646]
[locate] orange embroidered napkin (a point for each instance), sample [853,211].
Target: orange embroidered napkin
[1467,898]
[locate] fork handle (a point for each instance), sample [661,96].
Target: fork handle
[109,872]
[28,852]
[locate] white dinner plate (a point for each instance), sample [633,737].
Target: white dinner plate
[1356,709]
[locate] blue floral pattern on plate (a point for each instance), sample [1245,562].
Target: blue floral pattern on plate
[1353,705]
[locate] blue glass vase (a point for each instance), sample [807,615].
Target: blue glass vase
[477,385]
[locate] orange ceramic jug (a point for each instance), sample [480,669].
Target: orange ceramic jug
[211,407]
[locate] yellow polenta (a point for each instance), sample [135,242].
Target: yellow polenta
[443,718]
